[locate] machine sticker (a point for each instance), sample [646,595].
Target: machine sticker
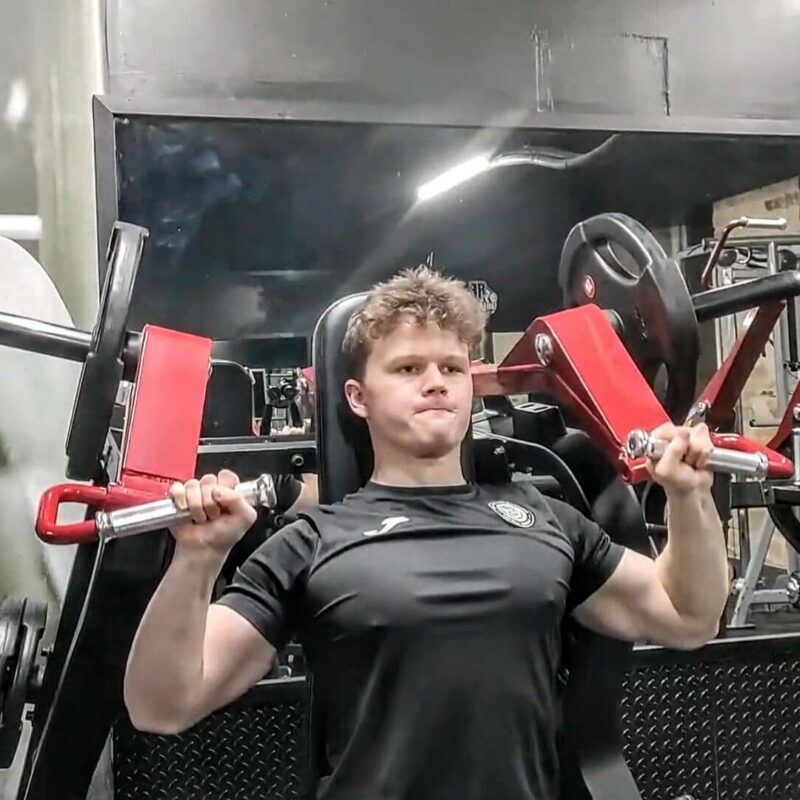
[486,295]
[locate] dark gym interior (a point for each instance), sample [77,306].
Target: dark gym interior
[192,196]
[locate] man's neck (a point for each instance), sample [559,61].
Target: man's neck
[410,471]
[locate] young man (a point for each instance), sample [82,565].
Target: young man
[430,609]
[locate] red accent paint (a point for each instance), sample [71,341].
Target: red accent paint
[725,387]
[593,376]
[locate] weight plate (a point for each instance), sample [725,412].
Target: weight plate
[11,614]
[613,261]
[102,371]
[34,618]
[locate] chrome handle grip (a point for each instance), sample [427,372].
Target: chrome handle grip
[641,444]
[165,514]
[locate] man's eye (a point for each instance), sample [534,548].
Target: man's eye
[453,368]
[408,369]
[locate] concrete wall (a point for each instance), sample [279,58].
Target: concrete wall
[494,57]
[17,170]
[70,68]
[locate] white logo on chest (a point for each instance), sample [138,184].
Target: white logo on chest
[388,524]
[513,514]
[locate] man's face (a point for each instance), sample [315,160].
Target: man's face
[416,392]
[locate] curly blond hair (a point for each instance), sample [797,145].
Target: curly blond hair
[421,295]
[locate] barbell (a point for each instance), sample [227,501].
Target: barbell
[615,262]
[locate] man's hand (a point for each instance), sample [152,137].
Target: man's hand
[681,470]
[220,515]
[678,599]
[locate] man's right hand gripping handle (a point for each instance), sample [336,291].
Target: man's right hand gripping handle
[188,658]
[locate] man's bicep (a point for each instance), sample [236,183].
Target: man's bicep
[235,657]
[632,604]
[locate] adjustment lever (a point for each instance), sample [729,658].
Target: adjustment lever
[138,514]
[641,444]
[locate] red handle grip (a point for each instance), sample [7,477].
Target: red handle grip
[95,497]
[779,466]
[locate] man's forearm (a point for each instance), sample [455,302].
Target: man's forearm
[165,666]
[694,565]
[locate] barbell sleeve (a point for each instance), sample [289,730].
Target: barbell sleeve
[641,444]
[777,224]
[165,514]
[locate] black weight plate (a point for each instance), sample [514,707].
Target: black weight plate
[31,628]
[102,372]
[612,260]
[11,611]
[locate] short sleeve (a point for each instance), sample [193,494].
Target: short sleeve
[267,590]
[287,490]
[595,555]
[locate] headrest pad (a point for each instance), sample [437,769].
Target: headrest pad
[344,452]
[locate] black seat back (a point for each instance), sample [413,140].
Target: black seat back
[344,453]
[344,450]
[593,764]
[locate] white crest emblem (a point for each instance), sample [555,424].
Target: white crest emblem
[513,514]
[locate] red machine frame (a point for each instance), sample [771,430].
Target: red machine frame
[574,357]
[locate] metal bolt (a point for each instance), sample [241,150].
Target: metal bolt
[793,589]
[638,444]
[544,348]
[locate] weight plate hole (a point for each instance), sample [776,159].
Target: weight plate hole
[619,260]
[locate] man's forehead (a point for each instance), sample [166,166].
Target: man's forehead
[409,331]
[420,339]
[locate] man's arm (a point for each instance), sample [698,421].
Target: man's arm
[308,495]
[294,494]
[188,659]
[678,599]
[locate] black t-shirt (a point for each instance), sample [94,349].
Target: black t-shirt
[431,620]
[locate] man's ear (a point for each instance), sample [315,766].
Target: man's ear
[354,393]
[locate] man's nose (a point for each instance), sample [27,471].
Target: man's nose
[433,380]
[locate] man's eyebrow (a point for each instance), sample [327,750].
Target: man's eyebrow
[417,355]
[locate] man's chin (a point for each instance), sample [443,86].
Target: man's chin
[436,449]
